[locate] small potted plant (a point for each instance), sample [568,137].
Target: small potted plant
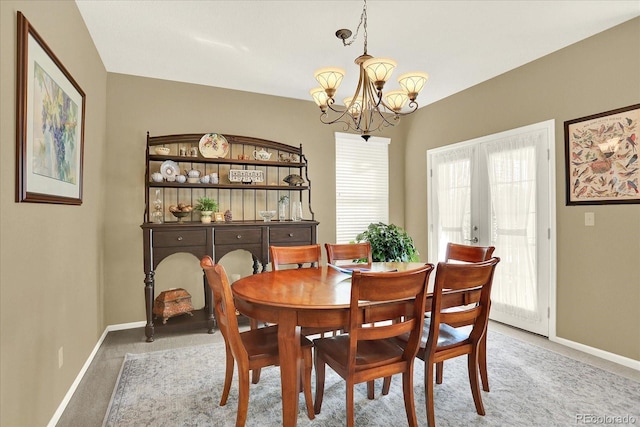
[207,207]
[389,243]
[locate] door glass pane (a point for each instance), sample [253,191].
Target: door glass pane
[511,165]
[452,178]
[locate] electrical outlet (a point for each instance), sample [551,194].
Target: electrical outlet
[589,219]
[60,357]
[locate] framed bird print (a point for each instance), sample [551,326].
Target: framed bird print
[601,154]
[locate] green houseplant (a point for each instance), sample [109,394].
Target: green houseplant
[389,243]
[206,206]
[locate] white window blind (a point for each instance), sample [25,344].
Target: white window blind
[362,184]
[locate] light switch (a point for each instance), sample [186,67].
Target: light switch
[589,219]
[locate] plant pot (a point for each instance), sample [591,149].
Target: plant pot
[205,216]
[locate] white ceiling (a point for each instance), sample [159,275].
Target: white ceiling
[273,47]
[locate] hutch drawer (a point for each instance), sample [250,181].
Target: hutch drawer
[238,236]
[289,234]
[178,238]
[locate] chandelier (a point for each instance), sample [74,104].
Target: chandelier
[369,109]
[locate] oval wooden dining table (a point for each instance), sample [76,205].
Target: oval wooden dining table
[312,297]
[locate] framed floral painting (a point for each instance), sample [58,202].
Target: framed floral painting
[50,110]
[601,153]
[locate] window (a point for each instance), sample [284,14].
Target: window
[362,184]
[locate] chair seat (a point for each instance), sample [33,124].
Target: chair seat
[263,342]
[370,353]
[448,335]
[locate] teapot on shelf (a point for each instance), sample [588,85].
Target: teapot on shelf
[193,176]
[261,155]
[193,173]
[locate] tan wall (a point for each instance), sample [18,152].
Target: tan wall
[598,274]
[57,299]
[137,105]
[51,256]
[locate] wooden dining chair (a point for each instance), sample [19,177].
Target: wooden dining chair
[465,253]
[298,255]
[440,341]
[346,254]
[253,349]
[369,351]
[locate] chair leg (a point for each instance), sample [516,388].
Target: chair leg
[409,404]
[386,385]
[482,362]
[371,392]
[320,368]
[255,374]
[439,369]
[228,376]
[306,376]
[350,409]
[243,396]
[428,393]
[472,362]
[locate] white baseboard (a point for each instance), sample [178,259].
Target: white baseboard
[67,398]
[612,357]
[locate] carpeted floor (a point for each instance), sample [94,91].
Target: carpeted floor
[530,386]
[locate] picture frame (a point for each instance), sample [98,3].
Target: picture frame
[50,112]
[218,217]
[601,155]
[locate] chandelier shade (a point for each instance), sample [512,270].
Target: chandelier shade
[413,83]
[396,99]
[329,78]
[379,70]
[353,107]
[320,97]
[369,109]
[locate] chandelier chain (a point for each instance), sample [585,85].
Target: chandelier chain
[363,18]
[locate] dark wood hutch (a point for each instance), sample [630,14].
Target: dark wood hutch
[247,231]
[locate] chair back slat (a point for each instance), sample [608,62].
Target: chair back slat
[300,255]
[349,253]
[466,253]
[386,331]
[465,316]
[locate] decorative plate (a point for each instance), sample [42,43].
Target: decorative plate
[169,169]
[243,175]
[213,145]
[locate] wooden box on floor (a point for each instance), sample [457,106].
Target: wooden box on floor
[172,302]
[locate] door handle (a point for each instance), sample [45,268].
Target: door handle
[474,240]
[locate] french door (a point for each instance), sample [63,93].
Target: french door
[500,190]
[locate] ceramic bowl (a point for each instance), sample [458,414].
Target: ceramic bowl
[163,151]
